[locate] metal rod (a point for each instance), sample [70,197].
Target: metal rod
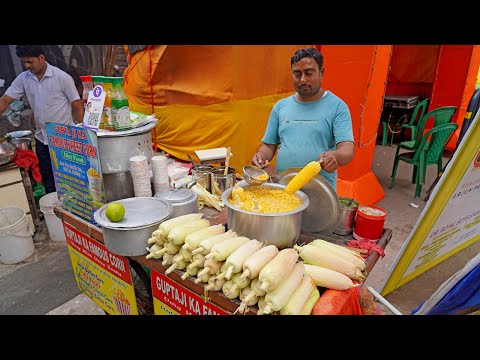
[384,301]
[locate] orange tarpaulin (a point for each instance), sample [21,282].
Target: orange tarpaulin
[219,96]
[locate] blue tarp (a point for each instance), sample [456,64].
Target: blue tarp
[459,292]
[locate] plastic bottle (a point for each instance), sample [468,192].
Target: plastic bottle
[107,106]
[120,109]
[87,87]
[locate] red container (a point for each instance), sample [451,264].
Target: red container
[369,226]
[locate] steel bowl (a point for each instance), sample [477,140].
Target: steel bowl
[279,229]
[7,151]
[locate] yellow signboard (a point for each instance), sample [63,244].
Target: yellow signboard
[450,221]
[102,275]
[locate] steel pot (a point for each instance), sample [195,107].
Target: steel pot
[22,143]
[129,236]
[184,201]
[279,229]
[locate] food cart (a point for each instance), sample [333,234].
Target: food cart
[157,293]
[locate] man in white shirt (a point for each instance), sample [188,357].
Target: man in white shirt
[53,97]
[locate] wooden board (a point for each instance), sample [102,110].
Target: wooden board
[211,154]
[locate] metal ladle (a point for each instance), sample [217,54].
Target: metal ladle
[254,175]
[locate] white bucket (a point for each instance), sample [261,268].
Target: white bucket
[54,224]
[16,242]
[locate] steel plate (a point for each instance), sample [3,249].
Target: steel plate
[324,212]
[139,212]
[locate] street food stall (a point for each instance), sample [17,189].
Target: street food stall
[146,237]
[150,272]
[114,262]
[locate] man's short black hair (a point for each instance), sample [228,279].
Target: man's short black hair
[307,52]
[29,51]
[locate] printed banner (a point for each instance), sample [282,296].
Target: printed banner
[451,219]
[170,298]
[76,169]
[103,276]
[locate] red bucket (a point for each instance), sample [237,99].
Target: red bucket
[369,223]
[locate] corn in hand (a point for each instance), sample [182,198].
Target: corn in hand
[303,177]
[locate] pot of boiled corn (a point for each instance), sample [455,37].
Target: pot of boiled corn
[266,213]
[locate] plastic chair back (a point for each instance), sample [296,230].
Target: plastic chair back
[421,107]
[441,115]
[439,138]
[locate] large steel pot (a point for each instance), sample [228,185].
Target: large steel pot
[116,148]
[279,229]
[129,236]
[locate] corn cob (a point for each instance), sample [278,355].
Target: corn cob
[303,177]
[311,301]
[278,298]
[228,292]
[177,263]
[178,234]
[328,259]
[341,251]
[244,294]
[190,272]
[239,283]
[165,227]
[206,245]
[255,262]
[222,250]
[193,240]
[236,259]
[277,269]
[328,278]
[299,297]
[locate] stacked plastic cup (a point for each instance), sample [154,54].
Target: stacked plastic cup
[141,176]
[160,173]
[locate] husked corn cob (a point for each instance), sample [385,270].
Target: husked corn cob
[330,260]
[165,227]
[206,245]
[327,278]
[236,259]
[278,298]
[192,241]
[299,297]
[255,262]
[311,301]
[277,269]
[341,251]
[178,234]
[303,177]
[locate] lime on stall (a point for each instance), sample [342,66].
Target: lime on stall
[115,211]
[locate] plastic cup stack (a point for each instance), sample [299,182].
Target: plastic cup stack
[160,173]
[141,176]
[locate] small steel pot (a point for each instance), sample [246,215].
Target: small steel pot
[279,229]
[7,151]
[22,143]
[345,226]
[184,201]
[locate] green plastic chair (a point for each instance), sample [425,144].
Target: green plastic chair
[418,112]
[441,115]
[429,152]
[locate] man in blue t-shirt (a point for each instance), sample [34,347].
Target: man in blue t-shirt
[312,124]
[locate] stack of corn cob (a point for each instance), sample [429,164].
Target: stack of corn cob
[262,276]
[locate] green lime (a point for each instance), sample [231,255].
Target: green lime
[115,211]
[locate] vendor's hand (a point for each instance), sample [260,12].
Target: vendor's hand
[257,160]
[328,161]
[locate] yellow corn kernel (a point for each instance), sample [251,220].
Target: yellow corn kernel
[266,200]
[303,177]
[238,191]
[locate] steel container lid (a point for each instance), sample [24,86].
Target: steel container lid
[176,195]
[324,211]
[19,134]
[139,212]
